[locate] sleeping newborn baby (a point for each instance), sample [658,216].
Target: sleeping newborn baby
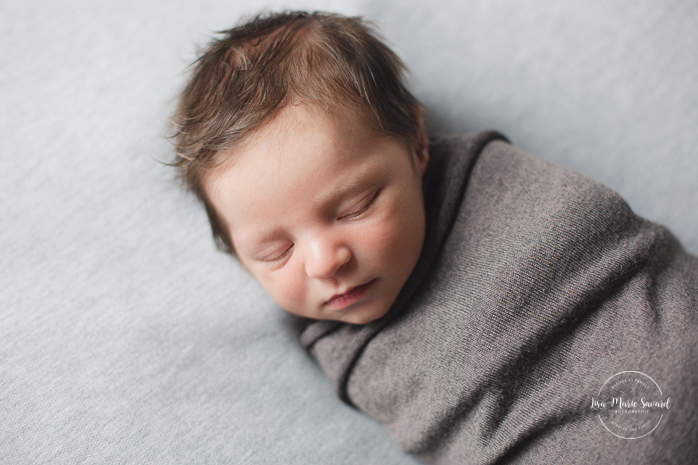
[483,304]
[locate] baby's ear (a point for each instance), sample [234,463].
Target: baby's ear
[421,149]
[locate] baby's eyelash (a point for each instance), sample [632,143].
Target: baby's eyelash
[361,210]
[280,257]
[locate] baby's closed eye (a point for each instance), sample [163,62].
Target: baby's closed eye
[367,205]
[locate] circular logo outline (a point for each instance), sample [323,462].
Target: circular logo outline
[658,388]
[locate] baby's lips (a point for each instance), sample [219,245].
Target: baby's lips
[340,301]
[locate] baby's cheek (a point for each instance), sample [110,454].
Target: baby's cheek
[407,224]
[288,290]
[394,239]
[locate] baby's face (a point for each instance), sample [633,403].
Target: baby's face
[326,216]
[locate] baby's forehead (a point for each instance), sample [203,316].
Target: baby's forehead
[330,130]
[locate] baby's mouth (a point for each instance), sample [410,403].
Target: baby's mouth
[340,301]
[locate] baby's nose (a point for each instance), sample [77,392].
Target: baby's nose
[325,258]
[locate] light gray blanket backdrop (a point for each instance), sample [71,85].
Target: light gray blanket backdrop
[126,338]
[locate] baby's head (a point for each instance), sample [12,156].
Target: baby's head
[298,135]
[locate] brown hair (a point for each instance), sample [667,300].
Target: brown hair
[252,71]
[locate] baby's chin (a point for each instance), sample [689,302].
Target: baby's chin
[359,316]
[355,316]
[362,319]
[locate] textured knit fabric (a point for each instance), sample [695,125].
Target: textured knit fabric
[534,286]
